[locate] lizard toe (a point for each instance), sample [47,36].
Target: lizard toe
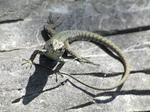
[28,62]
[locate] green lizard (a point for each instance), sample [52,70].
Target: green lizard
[55,47]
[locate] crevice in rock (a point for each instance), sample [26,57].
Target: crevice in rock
[124,31]
[11,21]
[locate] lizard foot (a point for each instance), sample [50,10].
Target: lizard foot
[29,62]
[84,60]
[57,73]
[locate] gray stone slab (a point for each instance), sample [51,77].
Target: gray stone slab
[21,27]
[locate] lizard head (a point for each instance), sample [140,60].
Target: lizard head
[57,45]
[54,49]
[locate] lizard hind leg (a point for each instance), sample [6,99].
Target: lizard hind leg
[84,60]
[78,57]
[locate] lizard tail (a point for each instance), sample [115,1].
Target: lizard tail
[85,35]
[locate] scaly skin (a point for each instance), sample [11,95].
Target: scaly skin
[56,46]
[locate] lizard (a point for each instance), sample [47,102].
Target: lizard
[55,47]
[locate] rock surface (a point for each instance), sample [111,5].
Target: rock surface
[21,32]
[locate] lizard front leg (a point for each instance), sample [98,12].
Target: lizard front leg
[77,56]
[32,57]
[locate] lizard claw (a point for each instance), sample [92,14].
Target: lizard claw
[29,62]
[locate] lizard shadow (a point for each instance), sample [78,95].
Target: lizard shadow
[104,75]
[99,98]
[38,80]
